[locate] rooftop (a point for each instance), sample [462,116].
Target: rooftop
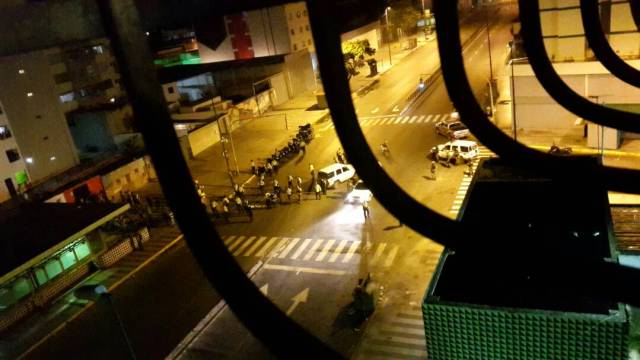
[551,223]
[36,228]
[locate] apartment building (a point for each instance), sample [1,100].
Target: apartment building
[575,62]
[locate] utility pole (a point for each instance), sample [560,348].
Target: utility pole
[386,17]
[513,100]
[486,13]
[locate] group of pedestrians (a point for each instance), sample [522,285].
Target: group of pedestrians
[222,209]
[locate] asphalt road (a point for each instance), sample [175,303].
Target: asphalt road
[333,243]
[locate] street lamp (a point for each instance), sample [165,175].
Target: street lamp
[97,292]
[386,20]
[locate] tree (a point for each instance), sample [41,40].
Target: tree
[404,17]
[354,55]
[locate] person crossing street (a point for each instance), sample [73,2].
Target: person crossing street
[365,209]
[299,191]
[289,192]
[253,167]
[317,190]
[434,168]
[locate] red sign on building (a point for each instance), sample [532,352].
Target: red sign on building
[238,31]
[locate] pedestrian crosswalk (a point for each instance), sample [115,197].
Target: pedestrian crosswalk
[466,180]
[336,251]
[399,337]
[366,121]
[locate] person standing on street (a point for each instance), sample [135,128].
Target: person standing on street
[317,190]
[290,180]
[312,171]
[299,181]
[276,187]
[365,209]
[225,212]
[239,204]
[434,168]
[269,168]
[248,210]
[214,208]
[323,186]
[253,167]
[470,168]
[299,190]
[289,192]
[261,185]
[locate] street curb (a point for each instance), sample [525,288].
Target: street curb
[90,304]
[211,316]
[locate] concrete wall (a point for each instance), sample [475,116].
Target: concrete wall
[298,25]
[299,73]
[269,31]
[37,121]
[280,90]
[204,137]
[129,177]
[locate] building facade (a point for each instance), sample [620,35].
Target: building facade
[575,62]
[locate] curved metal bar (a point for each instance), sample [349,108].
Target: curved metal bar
[473,116]
[556,87]
[635,12]
[256,312]
[598,279]
[334,78]
[601,47]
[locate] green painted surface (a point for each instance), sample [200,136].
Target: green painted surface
[460,331]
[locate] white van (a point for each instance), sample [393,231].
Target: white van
[336,173]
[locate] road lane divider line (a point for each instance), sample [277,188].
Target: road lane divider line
[288,249]
[414,118]
[313,249]
[299,250]
[378,253]
[325,250]
[351,252]
[237,243]
[435,118]
[255,246]
[391,256]
[428,118]
[244,246]
[266,247]
[338,251]
[304,269]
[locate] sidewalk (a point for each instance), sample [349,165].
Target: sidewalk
[256,139]
[33,330]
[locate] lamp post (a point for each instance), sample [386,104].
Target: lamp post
[488,25]
[99,292]
[386,20]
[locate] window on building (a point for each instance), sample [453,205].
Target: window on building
[304,45]
[12,155]
[301,29]
[82,250]
[170,90]
[304,12]
[293,32]
[295,47]
[68,259]
[306,27]
[53,268]
[5,133]
[41,276]
[298,14]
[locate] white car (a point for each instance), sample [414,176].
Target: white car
[336,173]
[453,151]
[452,129]
[359,194]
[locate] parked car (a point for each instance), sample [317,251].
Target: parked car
[452,129]
[359,194]
[455,151]
[336,173]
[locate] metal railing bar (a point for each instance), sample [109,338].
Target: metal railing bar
[554,85]
[600,45]
[334,78]
[257,313]
[473,116]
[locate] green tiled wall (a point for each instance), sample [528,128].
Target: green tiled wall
[459,331]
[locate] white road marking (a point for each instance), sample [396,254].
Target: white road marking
[229,240]
[299,251]
[396,108]
[378,253]
[391,256]
[398,119]
[255,246]
[313,249]
[304,269]
[413,119]
[405,119]
[375,110]
[279,247]
[291,245]
[237,243]
[435,119]
[325,250]
[428,119]
[337,251]
[352,250]
[266,247]
[244,246]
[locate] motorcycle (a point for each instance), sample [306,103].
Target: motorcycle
[556,150]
